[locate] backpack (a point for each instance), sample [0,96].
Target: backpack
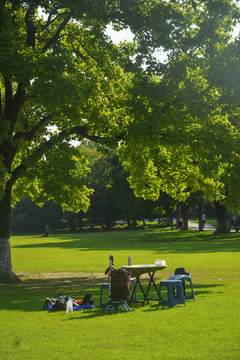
[181,271]
[60,303]
[88,300]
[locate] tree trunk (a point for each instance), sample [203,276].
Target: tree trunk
[200,226]
[169,217]
[80,222]
[185,216]
[6,273]
[221,218]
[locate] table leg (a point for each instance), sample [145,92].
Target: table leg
[143,292]
[151,275]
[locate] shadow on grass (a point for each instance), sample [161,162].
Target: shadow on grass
[65,282]
[30,296]
[165,240]
[33,299]
[152,306]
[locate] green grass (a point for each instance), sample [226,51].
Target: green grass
[205,329]
[209,221]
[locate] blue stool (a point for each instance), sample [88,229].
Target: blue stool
[174,298]
[106,286]
[185,279]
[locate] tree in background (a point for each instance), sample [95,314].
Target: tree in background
[130,207]
[112,200]
[102,210]
[29,217]
[182,119]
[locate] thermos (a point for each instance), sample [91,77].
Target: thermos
[111,260]
[69,307]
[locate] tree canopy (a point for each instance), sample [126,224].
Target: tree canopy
[186,115]
[62,78]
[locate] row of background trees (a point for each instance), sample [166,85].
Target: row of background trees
[112,201]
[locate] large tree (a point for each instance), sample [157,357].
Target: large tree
[183,115]
[61,78]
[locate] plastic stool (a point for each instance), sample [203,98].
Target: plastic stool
[185,279]
[172,298]
[106,286]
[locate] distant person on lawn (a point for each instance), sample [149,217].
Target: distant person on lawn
[204,220]
[46,232]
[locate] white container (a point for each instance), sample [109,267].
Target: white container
[160,262]
[69,307]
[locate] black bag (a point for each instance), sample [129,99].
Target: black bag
[88,300]
[61,303]
[181,271]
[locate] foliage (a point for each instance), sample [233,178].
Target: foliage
[28,217]
[112,198]
[66,80]
[55,71]
[187,141]
[102,209]
[59,177]
[64,74]
[131,208]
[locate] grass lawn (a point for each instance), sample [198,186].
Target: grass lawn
[209,221]
[74,264]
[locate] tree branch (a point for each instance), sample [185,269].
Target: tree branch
[8,93]
[54,39]
[49,21]
[82,131]
[81,44]
[28,135]
[33,158]
[31,29]
[86,50]
[15,106]
[49,144]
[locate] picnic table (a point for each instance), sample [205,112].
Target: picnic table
[137,271]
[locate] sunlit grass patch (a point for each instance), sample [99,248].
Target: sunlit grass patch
[205,329]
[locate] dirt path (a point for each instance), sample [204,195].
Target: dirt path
[60,279]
